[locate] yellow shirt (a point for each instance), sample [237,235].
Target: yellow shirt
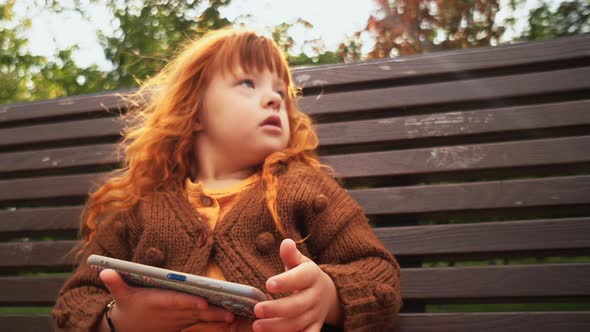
[212,205]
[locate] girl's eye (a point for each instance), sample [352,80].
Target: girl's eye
[248,83]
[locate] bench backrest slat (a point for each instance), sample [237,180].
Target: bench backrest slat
[522,57]
[503,194]
[472,241]
[455,92]
[457,284]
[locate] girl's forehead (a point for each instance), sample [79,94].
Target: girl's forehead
[239,70]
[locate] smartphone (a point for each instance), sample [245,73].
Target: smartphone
[237,298]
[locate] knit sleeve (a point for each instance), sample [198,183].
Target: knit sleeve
[83,297]
[343,244]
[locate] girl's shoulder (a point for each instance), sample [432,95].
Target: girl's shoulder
[299,174]
[296,169]
[157,200]
[306,186]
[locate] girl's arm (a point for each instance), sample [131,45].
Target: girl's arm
[344,247]
[83,298]
[152,309]
[314,300]
[365,273]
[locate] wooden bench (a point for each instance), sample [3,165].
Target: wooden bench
[473,166]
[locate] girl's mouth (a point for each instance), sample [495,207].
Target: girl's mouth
[273,120]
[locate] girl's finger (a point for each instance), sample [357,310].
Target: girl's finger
[298,278]
[281,324]
[269,324]
[290,306]
[163,299]
[290,255]
[115,284]
[214,314]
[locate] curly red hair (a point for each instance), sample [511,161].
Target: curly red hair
[158,144]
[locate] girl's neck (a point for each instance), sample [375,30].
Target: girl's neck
[210,179]
[216,170]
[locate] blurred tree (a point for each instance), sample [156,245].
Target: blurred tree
[24,76]
[316,50]
[147,33]
[402,27]
[62,77]
[569,18]
[351,50]
[14,61]
[150,31]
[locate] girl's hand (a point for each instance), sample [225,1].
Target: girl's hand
[153,309]
[314,299]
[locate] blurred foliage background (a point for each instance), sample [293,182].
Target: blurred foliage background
[148,32]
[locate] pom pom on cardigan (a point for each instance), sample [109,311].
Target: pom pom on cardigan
[154,257]
[320,203]
[265,242]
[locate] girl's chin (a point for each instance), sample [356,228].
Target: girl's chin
[266,151]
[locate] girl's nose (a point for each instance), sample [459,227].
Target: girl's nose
[272,100]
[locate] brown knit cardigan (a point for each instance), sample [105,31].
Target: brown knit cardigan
[165,230]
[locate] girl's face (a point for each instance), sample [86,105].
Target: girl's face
[244,117]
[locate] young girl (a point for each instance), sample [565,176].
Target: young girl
[221,179]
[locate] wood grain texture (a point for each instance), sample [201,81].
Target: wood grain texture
[464,91]
[445,63]
[531,237]
[503,120]
[449,285]
[489,237]
[543,192]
